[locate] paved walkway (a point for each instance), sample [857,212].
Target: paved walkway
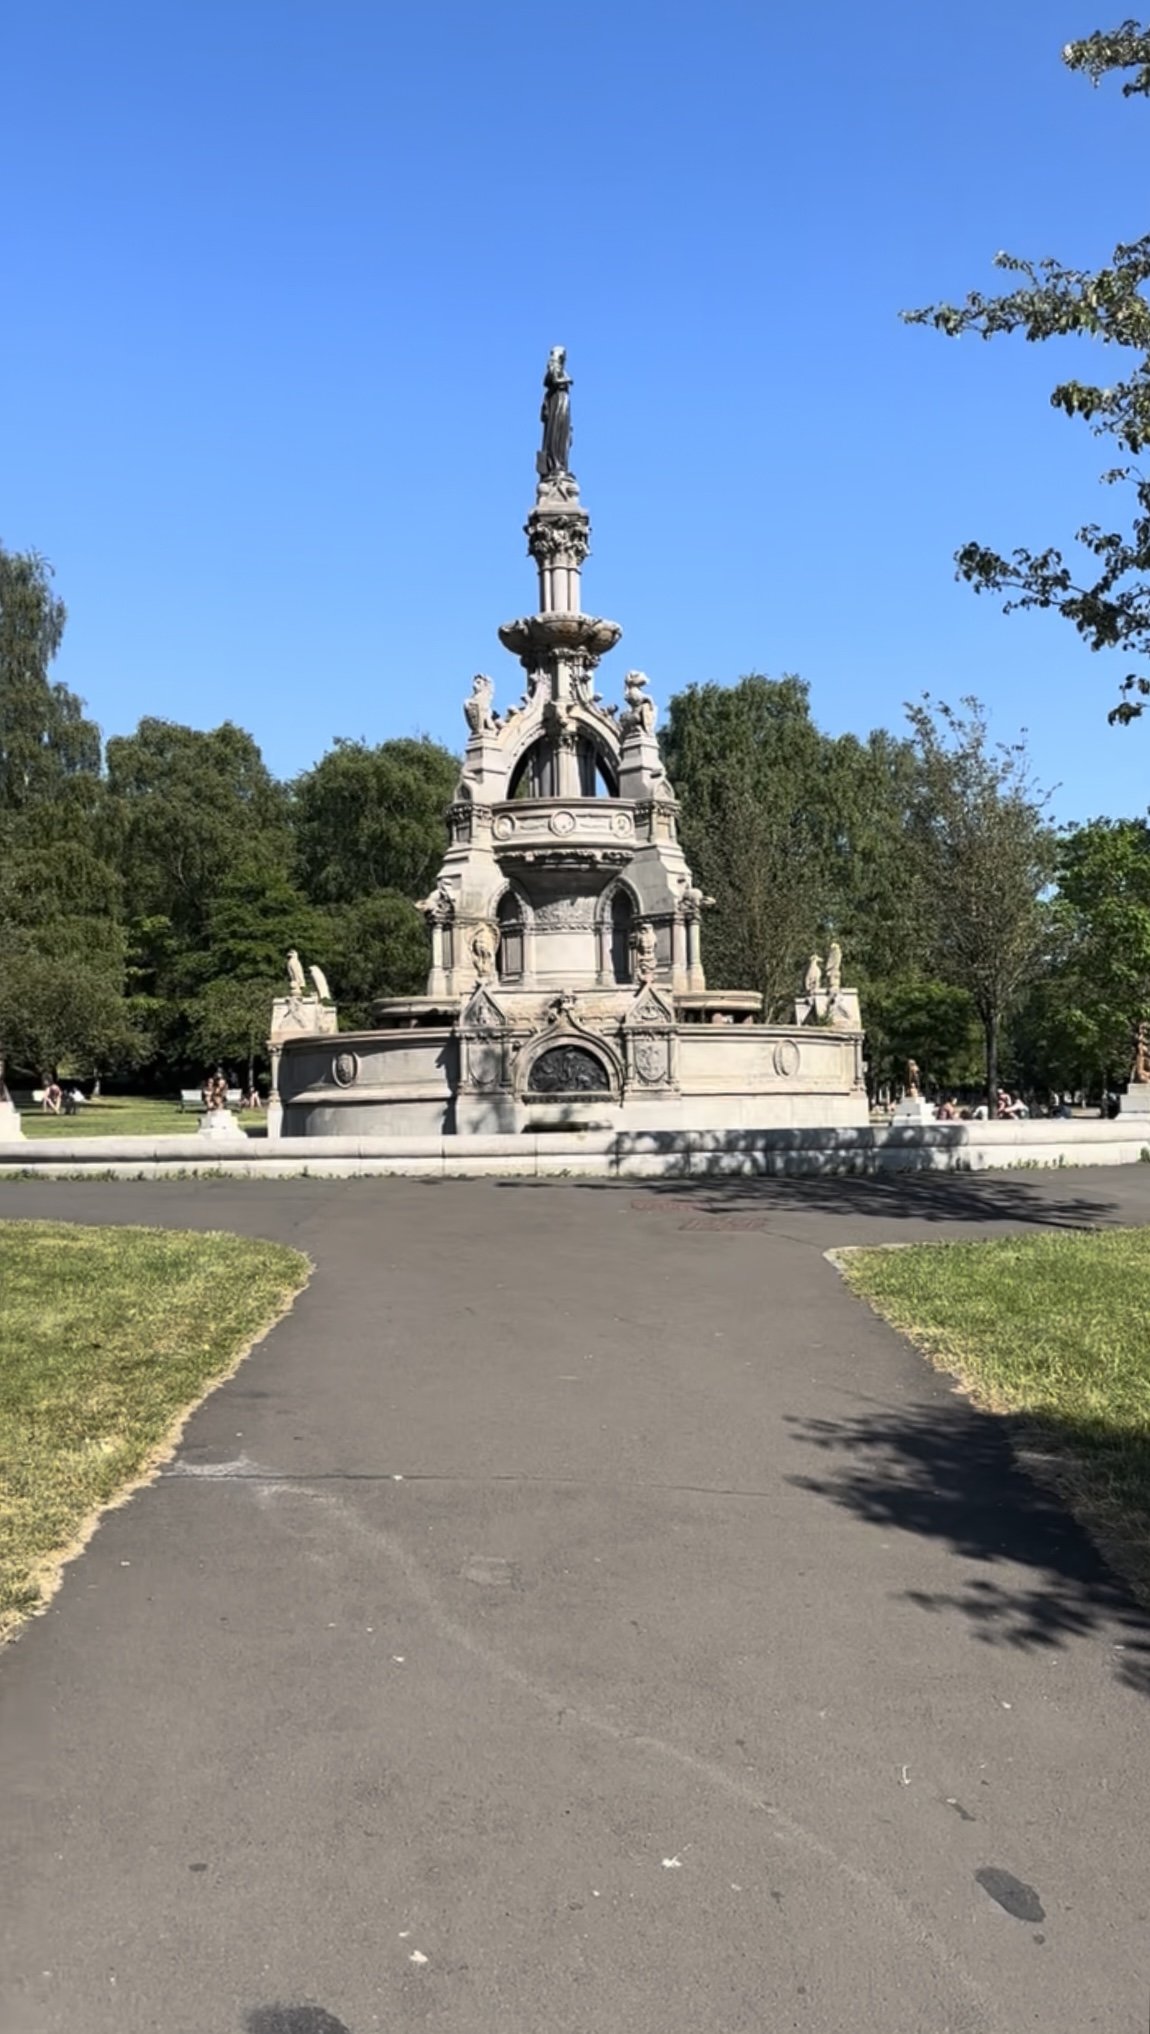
[580,1616]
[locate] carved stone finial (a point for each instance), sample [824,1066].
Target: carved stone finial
[813,979]
[834,968]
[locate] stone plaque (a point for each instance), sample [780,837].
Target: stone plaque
[651,1059]
[563,822]
[345,1069]
[566,1070]
[504,826]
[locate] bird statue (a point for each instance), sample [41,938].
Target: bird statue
[321,987]
[296,975]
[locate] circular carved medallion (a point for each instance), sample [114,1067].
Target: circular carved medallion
[345,1069]
[622,823]
[562,822]
[786,1058]
[504,826]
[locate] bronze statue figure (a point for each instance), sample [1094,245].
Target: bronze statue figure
[555,417]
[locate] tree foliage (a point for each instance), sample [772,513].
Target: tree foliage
[981,855]
[1109,602]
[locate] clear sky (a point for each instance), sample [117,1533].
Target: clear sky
[280,281]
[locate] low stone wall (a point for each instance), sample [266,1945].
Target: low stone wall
[598,1154]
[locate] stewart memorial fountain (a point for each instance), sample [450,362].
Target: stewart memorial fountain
[566,988]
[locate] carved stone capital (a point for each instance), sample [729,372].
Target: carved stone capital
[559,539]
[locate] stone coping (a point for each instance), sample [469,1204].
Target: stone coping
[605,1154]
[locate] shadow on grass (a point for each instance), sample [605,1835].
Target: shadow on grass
[949,1473]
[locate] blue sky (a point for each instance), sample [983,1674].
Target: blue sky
[282,276]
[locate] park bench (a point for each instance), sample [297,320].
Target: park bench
[191,1098]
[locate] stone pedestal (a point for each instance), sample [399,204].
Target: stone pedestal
[914,1109]
[219,1124]
[10,1125]
[839,1010]
[1136,1100]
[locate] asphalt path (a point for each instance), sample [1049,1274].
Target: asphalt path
[581,1616]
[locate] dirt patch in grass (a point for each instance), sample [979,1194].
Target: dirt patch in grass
[1054,1329]
[108,1339]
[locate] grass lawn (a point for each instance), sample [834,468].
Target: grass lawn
[108,1338]
[1055,1328]
[127,1116]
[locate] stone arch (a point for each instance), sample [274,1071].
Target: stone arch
[572,1054]
[616,915]
[515,917]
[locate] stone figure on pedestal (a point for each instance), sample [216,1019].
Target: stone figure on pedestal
[639,711]
[484,947]
[296,975]
[477,711]
[646,950]
[555,416]
[835,968]
[813,979]
[1140,1071]
[912,1078]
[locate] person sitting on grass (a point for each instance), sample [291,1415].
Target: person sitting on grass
[53,1096]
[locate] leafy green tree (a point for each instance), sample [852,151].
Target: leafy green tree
[62,1014]
[188,805]
[61,941]
[372,819]
[1109,604]
[376,948]
[44,738]
[931,1022]
[1104,900]
[982,856]
[750,769]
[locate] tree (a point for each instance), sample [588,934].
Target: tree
[751,771]
[371,819]
[1110,605]
[59,1014]
[188,805]
[44,737]
[928,1021]
[1104,900]
[982,854]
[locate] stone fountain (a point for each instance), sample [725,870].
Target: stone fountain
[566,987]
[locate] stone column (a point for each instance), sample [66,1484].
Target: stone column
[679,954]
[435,981]
[275,1116]
[696,979]
[568,753]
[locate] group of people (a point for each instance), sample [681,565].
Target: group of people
[1007,1108]
[214,1092]
[57,1100]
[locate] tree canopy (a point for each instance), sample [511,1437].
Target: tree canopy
[1108,602]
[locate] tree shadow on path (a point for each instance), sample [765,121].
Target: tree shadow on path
[923,1197]
[988,1200]
[949,1473]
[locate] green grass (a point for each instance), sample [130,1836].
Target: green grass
[108,1337]
[127,1116]
[1056,1329]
